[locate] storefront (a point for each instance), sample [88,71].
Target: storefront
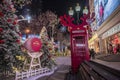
[111,39]
[94,43]
[107,13]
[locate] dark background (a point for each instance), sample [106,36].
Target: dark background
[59,7]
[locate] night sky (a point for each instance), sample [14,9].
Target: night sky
[59,7]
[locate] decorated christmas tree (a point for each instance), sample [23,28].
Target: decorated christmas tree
[48,49]
[9,38]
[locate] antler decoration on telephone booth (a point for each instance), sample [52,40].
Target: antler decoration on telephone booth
[68,21]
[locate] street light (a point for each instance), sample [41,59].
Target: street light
[71,12]
[28,18]
[27,31]
[85,10]
[77,9]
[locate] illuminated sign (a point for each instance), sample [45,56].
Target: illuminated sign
[78,31]
[111,31]
[104,8]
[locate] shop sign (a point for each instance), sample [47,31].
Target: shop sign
[78,31]
[111,31]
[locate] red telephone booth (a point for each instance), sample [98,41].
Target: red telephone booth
[79,41]
[79,47]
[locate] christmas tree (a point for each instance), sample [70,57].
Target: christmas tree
[9,38]
[48,50]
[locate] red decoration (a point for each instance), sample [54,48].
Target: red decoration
[1,14]
[33,44]
[18,41]
[15,22]
[68,21]
[1,29]
[1,41]
[9,20]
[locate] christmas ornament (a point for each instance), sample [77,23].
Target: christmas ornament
[33,44]
[18,41]
[1,29]
[9,20]
[1,14]
[15,22]
[1,41]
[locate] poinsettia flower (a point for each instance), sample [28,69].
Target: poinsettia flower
[9,20]
[15,22]
[1,29]
[18,41]
[1,14]
[1,41]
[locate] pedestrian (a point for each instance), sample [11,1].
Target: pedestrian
[110,48]
[92,53]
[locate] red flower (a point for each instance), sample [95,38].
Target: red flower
[18,41]
[1,14]
[9,20]
[14,23]
[1,29]
[1,41]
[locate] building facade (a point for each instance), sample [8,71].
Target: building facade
[107,28]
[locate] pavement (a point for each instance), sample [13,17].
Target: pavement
[59,74]
[110,60]
[63,64]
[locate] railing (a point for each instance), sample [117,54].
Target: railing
[28,74]
[92,71]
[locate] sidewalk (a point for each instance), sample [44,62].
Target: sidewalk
[112,61]
[59,74]
[63,64]
[110,58]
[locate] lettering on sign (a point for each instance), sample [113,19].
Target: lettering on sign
[111,31]
[78,31]
[80,45]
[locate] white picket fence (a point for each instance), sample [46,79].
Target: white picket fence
[28,74]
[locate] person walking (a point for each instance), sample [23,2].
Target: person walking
[92,52]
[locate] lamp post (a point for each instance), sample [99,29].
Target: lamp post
[77,9]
